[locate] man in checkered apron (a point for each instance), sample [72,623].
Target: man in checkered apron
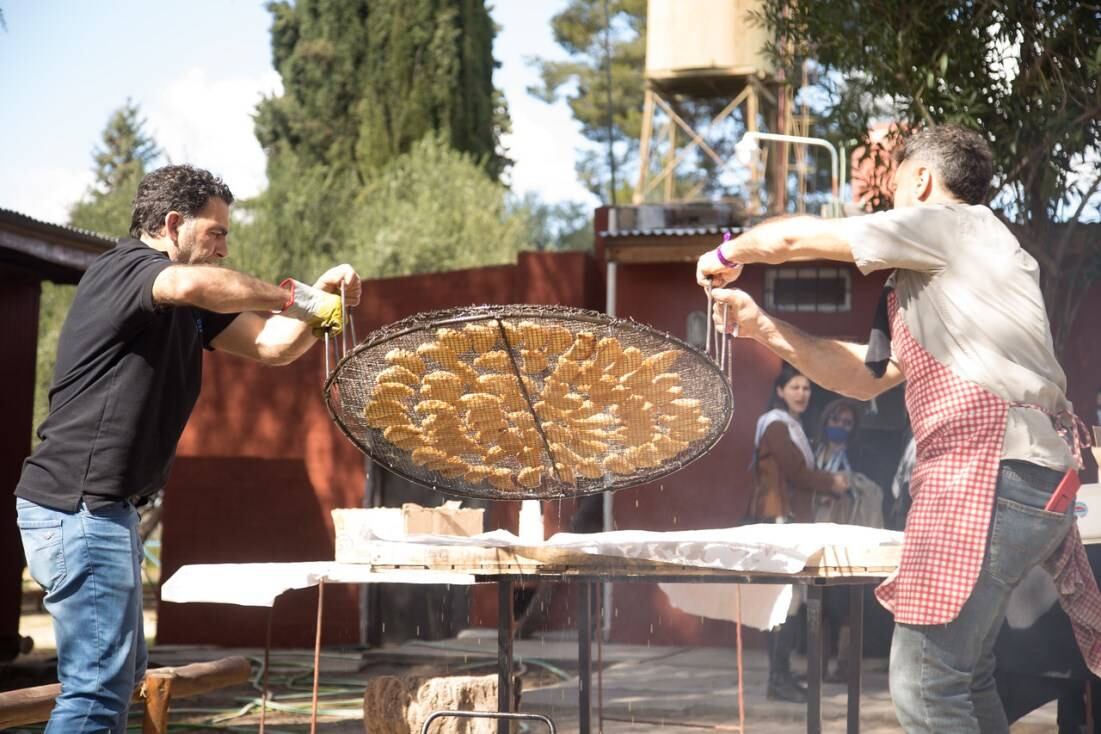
[962,321]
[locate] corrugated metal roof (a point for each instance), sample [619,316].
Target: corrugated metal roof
[672,232]
[93,238]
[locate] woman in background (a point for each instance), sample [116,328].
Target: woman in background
[785,482]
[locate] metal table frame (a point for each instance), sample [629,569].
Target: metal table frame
[585,583]
[586,580]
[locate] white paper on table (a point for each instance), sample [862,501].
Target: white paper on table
[764,548]
[258,584]
[763,605]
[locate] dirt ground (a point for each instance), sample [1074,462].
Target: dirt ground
[644,689]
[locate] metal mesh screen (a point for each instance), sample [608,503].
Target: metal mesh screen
[528,402]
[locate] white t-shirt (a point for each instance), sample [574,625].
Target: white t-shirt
[971,297]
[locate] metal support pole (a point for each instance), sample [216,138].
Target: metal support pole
[267,663]
[505,623]
[317,655]
[639,195]
[584,656]
[856,653]
[814,659]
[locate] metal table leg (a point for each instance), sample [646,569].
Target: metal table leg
[505,623]
[584,656]
[856,652]
[317,656]
[814,659]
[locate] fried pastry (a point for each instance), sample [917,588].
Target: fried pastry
[618,464]
[436,407]
[565,371]
[607,352]
[483,337]
[661,361]
[501,478]
[565,473]
[429,457]
[405,436]
[558,338]
[392,391]
[382,413]
[495,361]
[438,353]
[533,361]
[590,469]
[455,340]
[442,385]
[397,373]
[533,335]
[530,476]
[476,474]
[408,360]
[582,347]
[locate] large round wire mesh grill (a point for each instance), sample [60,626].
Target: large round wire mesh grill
[528,402]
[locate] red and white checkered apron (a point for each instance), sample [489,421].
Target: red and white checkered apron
[959,428]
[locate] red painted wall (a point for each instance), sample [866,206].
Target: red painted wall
[261,465]
[18,338]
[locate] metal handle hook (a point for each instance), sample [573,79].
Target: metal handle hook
[343,320]
[710,323]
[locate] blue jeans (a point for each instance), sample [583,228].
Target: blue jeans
[89,564]
[942,676]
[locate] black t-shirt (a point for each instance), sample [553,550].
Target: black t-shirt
[127,376]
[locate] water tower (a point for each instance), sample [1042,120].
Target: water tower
[709,50]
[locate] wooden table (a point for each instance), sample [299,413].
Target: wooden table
[833,566]
[376,562]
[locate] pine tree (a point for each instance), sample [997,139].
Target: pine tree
[121,160]
[379,91]
[124,156]
[365,79]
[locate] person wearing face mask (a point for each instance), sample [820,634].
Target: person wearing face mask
[785,483]
[862,504]
[128,373]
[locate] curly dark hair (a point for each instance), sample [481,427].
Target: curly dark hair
[961,158]
[183,189]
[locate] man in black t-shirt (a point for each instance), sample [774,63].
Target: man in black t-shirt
[129,369]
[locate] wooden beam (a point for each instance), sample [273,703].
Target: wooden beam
[33,705]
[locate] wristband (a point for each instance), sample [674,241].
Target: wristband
[288,285]
[722,258]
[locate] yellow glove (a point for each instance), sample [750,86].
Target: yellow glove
[320,309]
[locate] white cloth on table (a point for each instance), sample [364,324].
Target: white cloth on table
[258,584]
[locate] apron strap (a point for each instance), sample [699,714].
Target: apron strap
[1069,426]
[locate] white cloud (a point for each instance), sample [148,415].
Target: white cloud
[44,192]
[543,143]
[207,121]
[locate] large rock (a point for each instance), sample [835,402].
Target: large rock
[393,705]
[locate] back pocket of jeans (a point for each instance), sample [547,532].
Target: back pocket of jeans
[1021,537]
[45,550]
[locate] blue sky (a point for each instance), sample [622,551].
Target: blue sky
[197,69]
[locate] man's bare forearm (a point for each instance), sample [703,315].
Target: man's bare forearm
[789,239]
[216,289]
[831,363]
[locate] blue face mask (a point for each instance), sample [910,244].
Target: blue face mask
[837,434]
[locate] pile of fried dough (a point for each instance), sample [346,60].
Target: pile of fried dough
[458,405]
